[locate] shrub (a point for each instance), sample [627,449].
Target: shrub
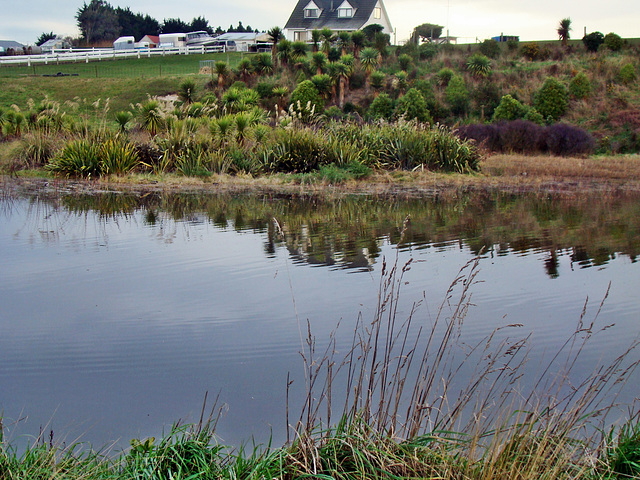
[569,140]
[530,51]
[613,42]
[265,88]
[627,74]
[552,99]
[38,149]
[377,80]
[593,41]
[457,95]
[490,48]
[534,116]
[486,135]
[580,86]
[479,65]
[117,157]
[427,51]
[306,95]
[187,91]
[79,158]
[444,76]
[405,61]
[295,150]
[487,98]
[412,105]
[333,113]
[520,136]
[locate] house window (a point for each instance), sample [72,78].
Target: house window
[311,13]
[345,12]
[300,36]
[377,12]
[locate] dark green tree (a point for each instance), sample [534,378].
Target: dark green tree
[175,25]
[593,41]
[426,32]
[44,37]
[371,30]
[97,22]
[201,24]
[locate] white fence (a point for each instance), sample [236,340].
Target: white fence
[97,54]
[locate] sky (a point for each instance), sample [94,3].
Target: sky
[467,19]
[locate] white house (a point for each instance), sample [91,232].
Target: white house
[338,15]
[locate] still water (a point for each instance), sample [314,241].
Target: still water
[119,312]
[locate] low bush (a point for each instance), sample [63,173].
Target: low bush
[412,105]
[306,98]
[568,140]
[79,158]
[457,96]
[552,99]
[526,137]
[479,65]
[580,86]
[613,42]
[490,48]
[627,74]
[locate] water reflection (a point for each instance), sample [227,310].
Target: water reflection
[348,232]
[120,310]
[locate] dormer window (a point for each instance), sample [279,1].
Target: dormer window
[345,10]
[311,10]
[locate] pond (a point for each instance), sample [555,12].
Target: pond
[121,311]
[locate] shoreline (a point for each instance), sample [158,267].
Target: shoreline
[508,174]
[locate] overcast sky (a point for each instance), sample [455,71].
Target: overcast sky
[466,19]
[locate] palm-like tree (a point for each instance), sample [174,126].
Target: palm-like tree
[327,39]
[298,51]
[316,37]
[563,30]
[245,69]
[369,58]
[344,40]
[284,52]
[358,40]
[319,61]
[275,35]
[222,70]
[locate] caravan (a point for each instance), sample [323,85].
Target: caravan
[173,40]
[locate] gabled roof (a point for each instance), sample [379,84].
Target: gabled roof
[10,44]
[362,10]
[152,38]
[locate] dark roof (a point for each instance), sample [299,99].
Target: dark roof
[329,15]
[11,44]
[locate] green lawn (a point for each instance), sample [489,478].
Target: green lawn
[156,66]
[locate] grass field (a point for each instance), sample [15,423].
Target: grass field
[156,66]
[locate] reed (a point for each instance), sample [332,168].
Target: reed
[401,412]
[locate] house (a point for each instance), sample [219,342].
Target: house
[338,15]
[149,41]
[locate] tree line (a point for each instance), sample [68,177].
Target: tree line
[100,22]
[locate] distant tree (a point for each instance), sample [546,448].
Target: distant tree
[327,39]
[593,41]
[136,24]
[371,30]
[426,32]
[175,25]
[316,37]
[97,22]
[275,35]
[201,24]
[44,37]
[613,42]
[563,30]
[219,31]
[357,41]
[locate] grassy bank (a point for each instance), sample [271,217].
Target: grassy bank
[400,415]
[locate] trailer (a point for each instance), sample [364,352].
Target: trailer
[124,43]
[173,40]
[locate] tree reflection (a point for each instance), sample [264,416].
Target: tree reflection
[350,231]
